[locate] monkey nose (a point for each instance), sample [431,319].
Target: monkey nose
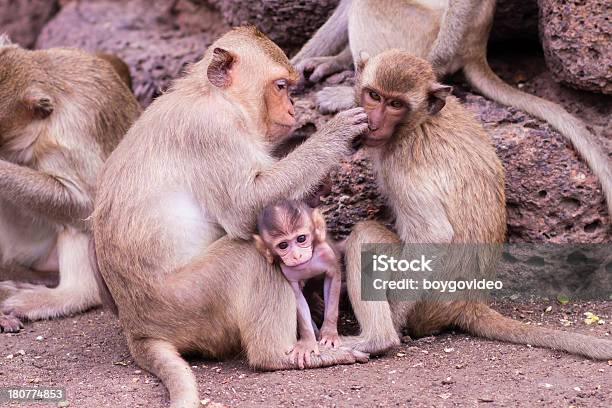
[372,126]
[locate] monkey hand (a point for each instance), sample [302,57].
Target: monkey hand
[317,68]
[345,127]
[301,351]
[329,338]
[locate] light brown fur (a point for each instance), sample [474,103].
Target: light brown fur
[62,112]
[120,67]
[179,195]
[445,184]
[452,36]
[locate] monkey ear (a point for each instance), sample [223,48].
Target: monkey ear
[219,68]
[263,249]
[361,61]
[437,98]
[320,229]
[38,102]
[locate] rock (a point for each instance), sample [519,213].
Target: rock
[515,20]
[289,23]
[22,20]
[551,194]
[156,39]
[575,35]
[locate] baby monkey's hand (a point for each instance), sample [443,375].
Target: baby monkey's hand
[300,352]
[329,337]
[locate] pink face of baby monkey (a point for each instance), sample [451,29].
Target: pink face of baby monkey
[288,233]
[294,249]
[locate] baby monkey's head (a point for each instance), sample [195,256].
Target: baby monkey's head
[288,231]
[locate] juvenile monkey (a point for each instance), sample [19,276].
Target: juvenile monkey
[180,195]
[62,112]
[453,36]
[293,235]
[442,179]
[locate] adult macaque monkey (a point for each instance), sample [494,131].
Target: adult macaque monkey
[445,185]
[293,234]
[196,166]
[453,36]
[62,112]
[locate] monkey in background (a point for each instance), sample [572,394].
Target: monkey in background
[62,112]
[178,199]
[294,235]
[453,36]
[441,177]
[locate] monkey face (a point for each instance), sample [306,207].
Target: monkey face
[281,113]
[295,250]
[385,112]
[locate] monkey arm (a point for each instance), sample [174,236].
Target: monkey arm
[305,328]
[50,196]
[453,28]
[242,191]
[329,39]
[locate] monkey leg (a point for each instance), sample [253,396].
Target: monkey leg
[162,359]
[268,328]
[77,289]
[334,99]
[376,318]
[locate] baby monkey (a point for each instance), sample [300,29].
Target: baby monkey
[294,235]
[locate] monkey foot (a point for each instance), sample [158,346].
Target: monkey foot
[329,357]
[337,356]
[15,286]
[10,323]
[35,302]
[334,99]
[374,346]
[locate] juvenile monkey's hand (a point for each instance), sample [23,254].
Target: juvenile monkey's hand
[301,351]
[346,126]
[329,337]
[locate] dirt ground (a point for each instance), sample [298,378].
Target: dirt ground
[87,355]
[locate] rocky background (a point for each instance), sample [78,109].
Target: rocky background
[557,49]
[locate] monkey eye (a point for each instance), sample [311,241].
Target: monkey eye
[396,104]
[281,84]
[301,238]
[283,245]
[374,96]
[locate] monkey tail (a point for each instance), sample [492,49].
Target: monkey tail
[105,294]
[162,359]
[480,76]
[482,321]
